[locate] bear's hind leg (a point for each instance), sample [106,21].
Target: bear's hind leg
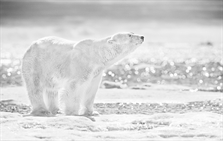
[51,100]
[35,92]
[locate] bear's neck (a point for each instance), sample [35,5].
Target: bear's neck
[110,54]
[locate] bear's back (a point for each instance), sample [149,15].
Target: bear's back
[54,43]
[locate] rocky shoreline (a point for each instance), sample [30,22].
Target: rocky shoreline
[214,106]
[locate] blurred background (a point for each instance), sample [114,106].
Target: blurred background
[183,38]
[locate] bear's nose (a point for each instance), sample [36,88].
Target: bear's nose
[142,37]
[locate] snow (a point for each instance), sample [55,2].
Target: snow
[181,126]
[155,93]
[196,126]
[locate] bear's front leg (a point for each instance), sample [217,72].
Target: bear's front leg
[71,97]
[88,99]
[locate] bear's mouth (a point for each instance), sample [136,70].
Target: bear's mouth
[141,41]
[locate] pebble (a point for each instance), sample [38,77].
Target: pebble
[214,106]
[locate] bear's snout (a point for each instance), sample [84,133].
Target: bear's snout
[142,37]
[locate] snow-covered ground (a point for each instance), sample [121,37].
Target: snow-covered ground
[153,94]
[187,125]
[167,126]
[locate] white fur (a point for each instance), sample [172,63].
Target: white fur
[75,68]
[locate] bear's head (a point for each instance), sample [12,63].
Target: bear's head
[126,41]
[121,44]
[126,38]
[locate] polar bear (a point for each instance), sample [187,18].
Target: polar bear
[67,74]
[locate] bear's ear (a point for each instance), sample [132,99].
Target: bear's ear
[110,41]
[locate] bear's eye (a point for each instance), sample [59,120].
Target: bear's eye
[130,35]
